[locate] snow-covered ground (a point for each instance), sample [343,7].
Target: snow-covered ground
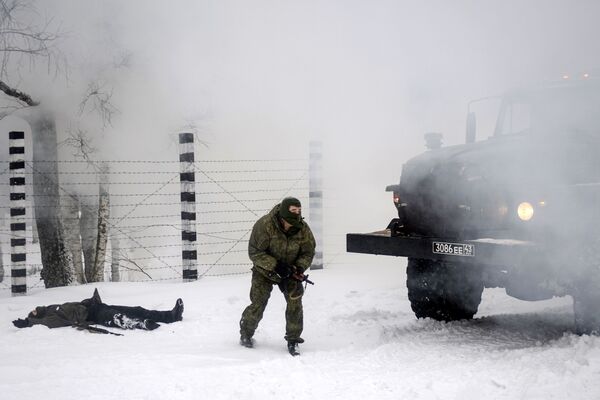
[362,342]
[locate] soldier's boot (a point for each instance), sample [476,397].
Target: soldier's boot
[177,311]
[293,348]
[246,341]
[92,301]
[149,325]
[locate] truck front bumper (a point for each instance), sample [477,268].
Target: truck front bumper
[492,252]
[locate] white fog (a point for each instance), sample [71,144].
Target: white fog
[256,82]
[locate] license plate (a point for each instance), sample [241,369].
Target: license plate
[454,249]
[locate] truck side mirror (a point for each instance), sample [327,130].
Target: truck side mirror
[471,128]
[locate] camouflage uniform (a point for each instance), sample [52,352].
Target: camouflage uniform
[269,243]
[94,311]
[58,315]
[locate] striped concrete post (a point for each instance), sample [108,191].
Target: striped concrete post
[189,254]
[315,199]
[18,256]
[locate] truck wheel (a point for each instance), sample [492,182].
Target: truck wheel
[586,292]
[443,291]
[587,315]
[586,299]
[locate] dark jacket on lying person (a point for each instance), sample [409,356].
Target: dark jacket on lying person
[93,311]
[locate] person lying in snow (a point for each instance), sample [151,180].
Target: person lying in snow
[93,311]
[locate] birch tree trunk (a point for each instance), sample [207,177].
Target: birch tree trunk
[73,240]
[97,272]
[115,275]
[88,223]
[1,265]
[56,270]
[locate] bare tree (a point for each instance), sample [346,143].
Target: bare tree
[86,223]
[23,43]
[89,234]
[97,101]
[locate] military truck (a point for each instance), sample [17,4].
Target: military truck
[518,208]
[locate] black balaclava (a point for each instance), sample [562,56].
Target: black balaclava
[291,218]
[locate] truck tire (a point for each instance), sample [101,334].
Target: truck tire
[587,315]
[443,291]
[586,298]
[586,290]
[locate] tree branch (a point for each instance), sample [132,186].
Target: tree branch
[140,269]
[99,100]
[79,140]
[21,96]
[21,42]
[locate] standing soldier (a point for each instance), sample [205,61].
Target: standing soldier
[281,248]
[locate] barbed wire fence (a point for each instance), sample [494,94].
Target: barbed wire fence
[145,224]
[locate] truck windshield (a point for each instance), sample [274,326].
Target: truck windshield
[550,111]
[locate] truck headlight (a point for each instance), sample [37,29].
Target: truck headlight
[525,211]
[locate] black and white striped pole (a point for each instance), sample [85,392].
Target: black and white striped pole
[18,226]
[189,254]
[315,199]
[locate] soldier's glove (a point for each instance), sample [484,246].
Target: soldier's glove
[21,323]
[284,270]
[299,276]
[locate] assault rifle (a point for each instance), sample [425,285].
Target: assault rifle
[306,280]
